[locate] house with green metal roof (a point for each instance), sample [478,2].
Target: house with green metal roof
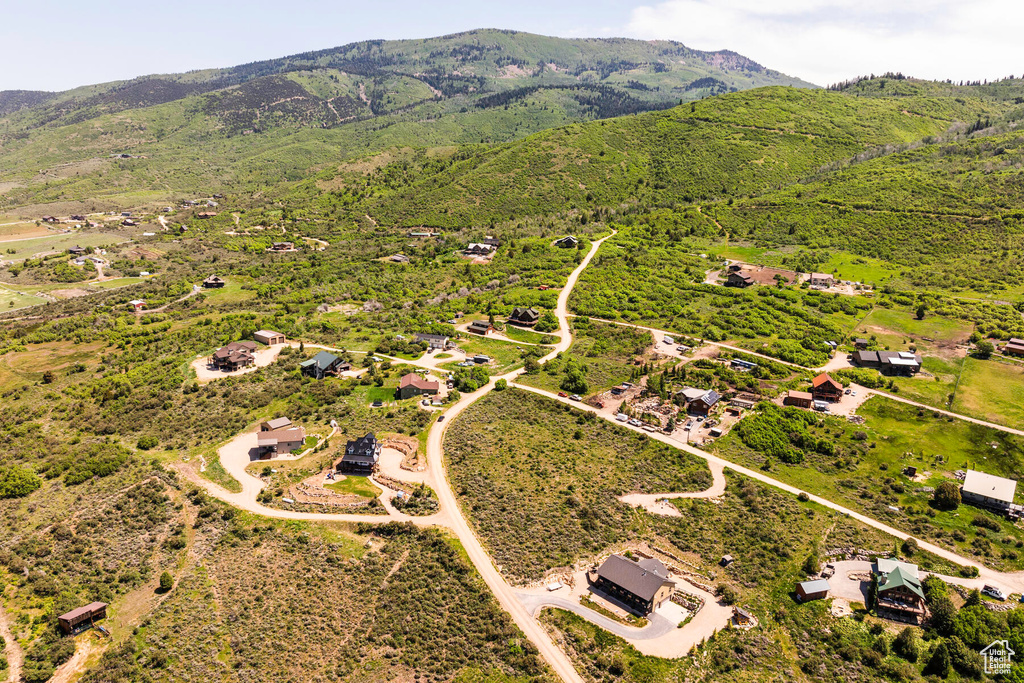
[900,596]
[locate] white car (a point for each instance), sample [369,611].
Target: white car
[993,592]
[575,397]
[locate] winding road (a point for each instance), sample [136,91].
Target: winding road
[235,456]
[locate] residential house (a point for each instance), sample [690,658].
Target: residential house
[899,362]
[899,595]
[413,385]
[822,280]
[812,590]
[279,441]
[526,317]
[481,327]
[214,282]
[800,399]
[434,341]
[738,279]
[76,251]
[323,364]
[137,304]
[276,423]
[76,217]
[361,455]
[234,356]
[129,223]
[567,242]
[988,491]
[206,214]
[824,388]
[269,337]
[398,258]
[50,219]
[282,246]
[641,586]
[1014,347]
[492,241]
[478,249]
[861,343]
[866,359]
[700,401]
[82,618]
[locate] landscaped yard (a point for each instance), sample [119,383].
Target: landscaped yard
[358,486]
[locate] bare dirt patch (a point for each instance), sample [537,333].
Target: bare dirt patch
[70,293]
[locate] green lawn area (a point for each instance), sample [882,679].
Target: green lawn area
[359,486]
[861,467]
[11,300]
[992,390]
[505,354]
[232,292]
[525,335]
[118,282]
[897,328]
[925,389]
[28,248]
[858,268]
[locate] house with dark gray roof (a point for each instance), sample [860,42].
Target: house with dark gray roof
[524,316]
[324,364]
[361,455]
[641,586]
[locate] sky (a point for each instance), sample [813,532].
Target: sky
[60,44]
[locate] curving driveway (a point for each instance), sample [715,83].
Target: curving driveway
[657,627]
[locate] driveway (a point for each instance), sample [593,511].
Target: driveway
[657,627]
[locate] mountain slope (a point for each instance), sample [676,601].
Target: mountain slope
[191,131]
[729,146]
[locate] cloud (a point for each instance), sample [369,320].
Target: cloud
[825,41]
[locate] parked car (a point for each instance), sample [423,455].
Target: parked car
[562,394]
[853,393]
[689,425]
[575,397]
[440,418]
[847,392]
[993,592]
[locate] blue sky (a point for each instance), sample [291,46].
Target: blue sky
[58,44]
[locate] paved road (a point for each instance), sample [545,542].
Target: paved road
[657,627]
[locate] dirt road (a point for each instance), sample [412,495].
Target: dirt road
[1013,581]
[15,656]
[654,502]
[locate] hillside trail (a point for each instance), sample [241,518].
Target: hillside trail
[13,651]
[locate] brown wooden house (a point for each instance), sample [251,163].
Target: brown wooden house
[824,388]
[641,586]
[800,399]
[82,618]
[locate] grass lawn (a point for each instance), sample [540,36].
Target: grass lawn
[528,336]
[117,282]
[385,394]
[897,328]
[858,268]
[927,389]
[11,299]
[865,472]
[28,248]
[232,292]
[992,390]
[359,486]
[505,354]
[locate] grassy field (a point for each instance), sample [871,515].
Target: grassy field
[28,248]
[896,328]
[861,466]
[358,486]
[521,334]
[992,390]
[505,354]
[117,282]
[11,299]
